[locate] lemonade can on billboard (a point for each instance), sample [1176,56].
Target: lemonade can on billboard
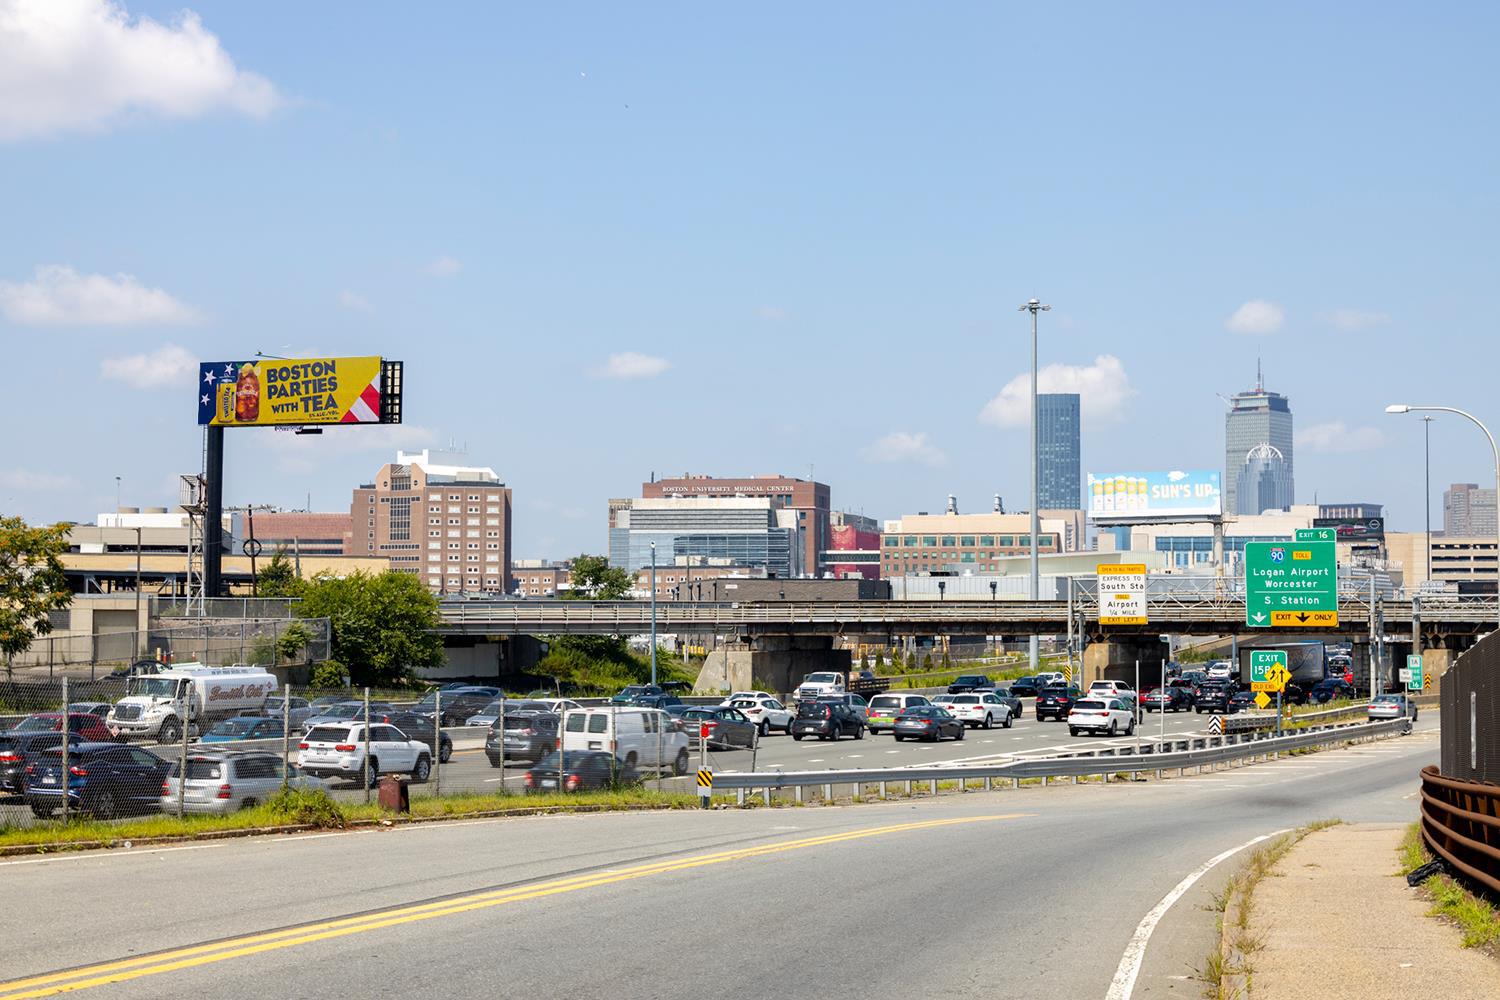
[290,391]
[1145,495]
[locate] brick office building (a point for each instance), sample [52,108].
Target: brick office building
[304,533]
[447,523]
[809,499]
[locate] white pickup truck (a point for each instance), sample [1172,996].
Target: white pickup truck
[824,682]
[188,694]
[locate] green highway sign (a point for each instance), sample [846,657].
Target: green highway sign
[1268,670]
[1315,535]
[1414,668]
[1291,584]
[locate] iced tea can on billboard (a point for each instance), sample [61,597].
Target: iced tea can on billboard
[247,396]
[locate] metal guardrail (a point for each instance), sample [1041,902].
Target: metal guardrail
[1460,824]
[1095,763]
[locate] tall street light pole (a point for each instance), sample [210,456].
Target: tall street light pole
[1494,451]
[653,613]
[1033,306]
[1427,494]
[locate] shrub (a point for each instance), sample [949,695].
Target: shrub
[326,675]
[306,806]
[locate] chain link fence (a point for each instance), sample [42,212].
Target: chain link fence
[1470,708]
[270,642]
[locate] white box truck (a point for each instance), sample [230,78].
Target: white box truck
[187,694]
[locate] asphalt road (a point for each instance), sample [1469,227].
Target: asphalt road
[1019,893]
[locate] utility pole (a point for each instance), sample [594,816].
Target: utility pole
[653,613]
[138,629]
[1033,306]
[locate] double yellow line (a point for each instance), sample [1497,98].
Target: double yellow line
[175,960]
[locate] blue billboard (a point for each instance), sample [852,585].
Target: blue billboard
[1140,496]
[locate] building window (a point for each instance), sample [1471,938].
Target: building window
[492,510]
[492,545]
[987,540]
[930,541]
[453,557]
[967,540]
[473,496]
[949,540]
[493,559]
[492,521]
[492,534]
[473,522]
[473,558]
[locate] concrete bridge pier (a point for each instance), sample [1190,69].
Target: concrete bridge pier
[1114,659]
[775,663]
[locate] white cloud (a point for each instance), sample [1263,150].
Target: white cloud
[1103,389]
[1354,319]
[353,300]
[444,266]
[29,481]
[69,65]
[57,295]
[905,446]
[1335,436]
[632,364]
[302,453]
[1257,316]
[169,365]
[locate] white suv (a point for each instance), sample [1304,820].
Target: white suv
[1112,689]
[978,709]
[337,750]
[1106,716]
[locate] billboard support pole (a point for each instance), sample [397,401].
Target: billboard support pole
[213,511]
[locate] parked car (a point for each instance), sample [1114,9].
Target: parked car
[630,692]
[99,708]
[767,713]
[1101,716]
[458,704]
[1026,687]
[1055,702]
[228,780]
[527,736]
[927,722]
[664,700]
[337,750]
[645,738]
[19,750]
[581,770]
[1213,696]
[556,705]
[1331,689]
[979,709]
[1167,699]
[244,727]
[1005,695]
[884,708]
[345,711]
[488,715]
[301,710]
[1392,706]
[88,726]
[102,779]
[968,682]
[827,719]
[415,726]
[727,727]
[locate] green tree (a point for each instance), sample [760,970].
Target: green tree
[383,627]
[294,638]
[32,583]
[879,660]
[594,579]
[278,578]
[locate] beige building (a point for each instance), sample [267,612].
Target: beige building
[540,581]
[443,521]
[967,543]
[1456,560]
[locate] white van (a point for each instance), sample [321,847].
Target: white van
[632,734]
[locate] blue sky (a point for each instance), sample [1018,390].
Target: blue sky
[801,234]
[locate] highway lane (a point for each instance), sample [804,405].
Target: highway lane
[1029,893]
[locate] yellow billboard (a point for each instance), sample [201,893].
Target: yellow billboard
[289,391]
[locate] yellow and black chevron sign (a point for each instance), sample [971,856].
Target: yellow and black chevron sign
[705,779]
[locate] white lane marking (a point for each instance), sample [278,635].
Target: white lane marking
[815,760]
[1018,737]
[853,756]
[101,855]
[1123,985]
[893,751]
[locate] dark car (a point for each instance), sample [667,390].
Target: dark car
[419,727]
[827,720]
[630,692]
[99,708]
[85,724]
[1026,687]
[1242,701]
[1213,697]
[663,701]
[344,711]
[19,750]
[103,779]
[967,683]
[1010,698]
[1172,698]
[727,727]
[927,722]
[244,727]
[1329,689]
[1055,702]
[527,736]
[581,770]
[1294,694]
[458,704]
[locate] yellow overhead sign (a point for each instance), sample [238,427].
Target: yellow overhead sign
[288,391]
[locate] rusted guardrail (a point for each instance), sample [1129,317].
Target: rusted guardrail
[1461,825]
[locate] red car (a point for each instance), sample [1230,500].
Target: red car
[89,727]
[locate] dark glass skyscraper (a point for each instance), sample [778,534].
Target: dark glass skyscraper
[1255,418]
[1060,482]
